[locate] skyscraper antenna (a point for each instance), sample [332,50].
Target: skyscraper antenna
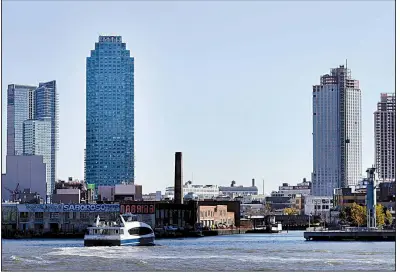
[346,63]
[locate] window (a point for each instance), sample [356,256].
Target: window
[39,215]
[139,231]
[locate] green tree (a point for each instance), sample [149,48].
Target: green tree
[345,215]
[358,214]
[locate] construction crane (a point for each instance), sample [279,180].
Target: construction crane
[14,193]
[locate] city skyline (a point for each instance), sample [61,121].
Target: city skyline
[212,90]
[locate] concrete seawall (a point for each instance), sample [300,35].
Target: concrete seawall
[220,232]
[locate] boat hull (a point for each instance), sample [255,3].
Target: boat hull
[148,241]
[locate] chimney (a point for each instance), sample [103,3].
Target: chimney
[178,178]
[253,182]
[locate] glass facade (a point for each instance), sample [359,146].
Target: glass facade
[46,108]
[19,108]
[37,141]
[109,113]
[32,124]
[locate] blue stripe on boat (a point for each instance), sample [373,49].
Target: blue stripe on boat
[130,241]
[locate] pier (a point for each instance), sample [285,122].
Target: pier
[351,234]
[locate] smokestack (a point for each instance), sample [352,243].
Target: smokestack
[253,182]
[178,178]
[263,188]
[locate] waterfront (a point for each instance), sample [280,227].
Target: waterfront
[245,252]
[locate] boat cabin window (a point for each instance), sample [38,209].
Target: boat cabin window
[139,231]
[105,231]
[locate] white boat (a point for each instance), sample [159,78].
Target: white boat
[127,231]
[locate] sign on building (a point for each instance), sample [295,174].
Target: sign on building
[144,212]
[35,208]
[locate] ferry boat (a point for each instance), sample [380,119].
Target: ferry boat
[127,231]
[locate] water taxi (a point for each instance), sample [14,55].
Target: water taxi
[126,231]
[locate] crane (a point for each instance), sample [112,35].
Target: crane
[14,193]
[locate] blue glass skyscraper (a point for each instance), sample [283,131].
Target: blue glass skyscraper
[109,113]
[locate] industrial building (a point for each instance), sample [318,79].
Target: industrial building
[287,190]
[235,191]
[202,191]
[52,219]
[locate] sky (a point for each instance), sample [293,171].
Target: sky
[228,83]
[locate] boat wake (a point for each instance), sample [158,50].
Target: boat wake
[35,260]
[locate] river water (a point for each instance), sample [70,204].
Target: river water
[246,252]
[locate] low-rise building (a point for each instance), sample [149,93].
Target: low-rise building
[279,203]
[157,196]
[159,214]
[67,196]
[55,218]
[252,209]
[69,192]
[386,191]
[232,206]
[122,192]
[216,216]
[202,191]
[286,190]
[318,205]
[344,197]
[237,191]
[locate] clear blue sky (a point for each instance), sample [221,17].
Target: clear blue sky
[227,83]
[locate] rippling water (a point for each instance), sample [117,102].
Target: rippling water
[246,252]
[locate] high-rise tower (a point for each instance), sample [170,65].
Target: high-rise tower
[385,137]
[46,111]
[336,132]
[20,107]
[109,113]
[32,124]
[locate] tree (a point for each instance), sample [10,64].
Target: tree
[290,211]
[267,208]
[345,214]
[380,215]
[358,214]
[388,217]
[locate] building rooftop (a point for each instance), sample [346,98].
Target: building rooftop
[238,188]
